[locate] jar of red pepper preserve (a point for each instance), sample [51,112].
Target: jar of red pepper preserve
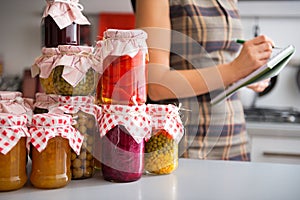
[123,55]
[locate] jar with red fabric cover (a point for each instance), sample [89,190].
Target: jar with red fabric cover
[13,152]
[44,102]
[161,150]
[52,138]
[62,20]
[123,130]
[85,114]
[123,56]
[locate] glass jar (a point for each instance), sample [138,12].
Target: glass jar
[44,102]
[13,152]
[161,150]
[75,74]
[62,20]
[52,137]
[12,102]
[44,66]
[122,130]
[123,55]
[84,113]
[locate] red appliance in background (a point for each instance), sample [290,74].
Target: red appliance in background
[115,21]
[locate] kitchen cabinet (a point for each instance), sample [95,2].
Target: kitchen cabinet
[275,142]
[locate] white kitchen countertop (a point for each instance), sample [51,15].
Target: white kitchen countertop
[194,179]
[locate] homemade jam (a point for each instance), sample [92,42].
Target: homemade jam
[13,152]
[51,155]
[55,36]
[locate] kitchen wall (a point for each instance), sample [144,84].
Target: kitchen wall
[20,35]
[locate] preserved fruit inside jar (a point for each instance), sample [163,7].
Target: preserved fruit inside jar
[51,167]
[161,153]
[124,80]
[85,87]
[55,36]
[122,156]
[13,167]
[82,165]
[47,84]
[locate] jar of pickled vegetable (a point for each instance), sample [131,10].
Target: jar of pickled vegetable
[161,150]
[52,137]
[62,20]
[13,152]
[84,113]
[75,73]
[44,66]
[44,102]
[123,55]
[123,130]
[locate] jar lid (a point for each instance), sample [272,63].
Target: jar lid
[48,125]
[45,101]
[134,118]
[119,43]
[65,12]
[12,128]
[167,117]
[44,64]
[9,95]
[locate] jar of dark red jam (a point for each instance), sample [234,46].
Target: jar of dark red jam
[55,36]
[123,130]
[124,57]
[62,21]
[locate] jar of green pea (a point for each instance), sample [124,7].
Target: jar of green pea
[161,150]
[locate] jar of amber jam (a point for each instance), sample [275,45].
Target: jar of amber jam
[123,130]
[13,152]
[123,55]
[52,137]
[85,114]
[161,150]
[62,20]
[75,71]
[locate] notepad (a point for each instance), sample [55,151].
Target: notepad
[278,60]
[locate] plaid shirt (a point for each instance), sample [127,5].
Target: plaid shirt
[202,37]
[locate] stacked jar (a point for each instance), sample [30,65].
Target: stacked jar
[85,114]
[52,137]
[15,114]
[69,71]
[161,150]
[121,91]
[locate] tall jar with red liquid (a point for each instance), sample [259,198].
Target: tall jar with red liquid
[62,20]
[124,56]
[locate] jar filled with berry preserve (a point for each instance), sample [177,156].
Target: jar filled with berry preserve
[62,20]
[123,55]
[13,151]
[85,114]
[161,150]
[43,66]
[123,130]
[75,73]
[52,138]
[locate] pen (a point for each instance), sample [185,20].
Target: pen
[240,41]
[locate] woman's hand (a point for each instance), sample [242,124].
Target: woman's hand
[259,86]
[254,53]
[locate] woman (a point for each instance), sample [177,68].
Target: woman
[192,56]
